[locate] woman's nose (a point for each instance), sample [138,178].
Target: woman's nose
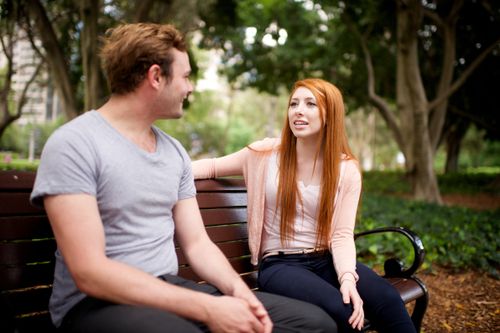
[299,109]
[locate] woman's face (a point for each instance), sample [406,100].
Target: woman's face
[304,115]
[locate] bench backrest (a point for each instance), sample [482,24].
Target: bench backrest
[27,245]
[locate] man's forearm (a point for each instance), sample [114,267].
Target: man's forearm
[212,266]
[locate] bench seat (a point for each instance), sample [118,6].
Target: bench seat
[27,248]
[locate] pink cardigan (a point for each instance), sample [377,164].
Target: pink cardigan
[252,164]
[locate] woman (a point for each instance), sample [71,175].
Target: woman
[303,194]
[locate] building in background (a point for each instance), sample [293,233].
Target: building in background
[42,103]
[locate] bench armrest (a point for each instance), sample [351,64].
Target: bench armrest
[393,267]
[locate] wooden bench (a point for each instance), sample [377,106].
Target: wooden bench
[27,250]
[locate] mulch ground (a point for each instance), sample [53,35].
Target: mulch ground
[463,302]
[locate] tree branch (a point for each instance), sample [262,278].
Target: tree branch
[434,17]
[142,10]
[466,73]
[22,98]
[473,119]
[377,100]
[7,50]
[29,33]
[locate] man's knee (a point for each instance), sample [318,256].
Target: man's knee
[317,318]
[291,315]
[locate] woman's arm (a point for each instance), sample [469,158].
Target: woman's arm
[229,165]
[232,164]
[342,243]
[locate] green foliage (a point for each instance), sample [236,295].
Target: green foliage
[455,237]
[477,151]
[9,161]
[16,137]
[484,180]
[196,123]
[214,126]
[385,182]
[470,183]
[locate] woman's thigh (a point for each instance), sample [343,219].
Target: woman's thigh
[297,281]
[374,289]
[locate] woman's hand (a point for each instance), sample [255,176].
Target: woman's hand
[350,293]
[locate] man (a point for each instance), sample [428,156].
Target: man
[115,188]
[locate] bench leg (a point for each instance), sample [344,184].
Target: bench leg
[420,306]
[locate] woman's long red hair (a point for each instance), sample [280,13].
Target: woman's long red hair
[333,143]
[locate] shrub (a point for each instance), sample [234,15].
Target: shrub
[455,237]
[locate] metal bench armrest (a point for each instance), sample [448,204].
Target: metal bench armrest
[393,267]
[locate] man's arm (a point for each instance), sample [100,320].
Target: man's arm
[208,261]
[78,230]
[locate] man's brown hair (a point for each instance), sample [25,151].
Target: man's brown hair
[129,50]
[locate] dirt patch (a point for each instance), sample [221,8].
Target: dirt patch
[479,201]
[461,302]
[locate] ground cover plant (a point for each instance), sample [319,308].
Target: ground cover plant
[455,237]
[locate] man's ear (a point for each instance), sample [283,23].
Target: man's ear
[154,76]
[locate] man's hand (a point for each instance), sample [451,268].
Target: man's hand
[243,292]
[232,314]
[349,292]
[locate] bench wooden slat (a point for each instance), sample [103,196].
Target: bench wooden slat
[25,252]
[241,264]
[37,322]
[228,232]
[17,204]
[29,300]
[235,248]
[17,180]
[221,185]
[24,276]
[224,215]
[408,289]
[222,199]
[224,233]
[250,279]
[25,227]
[230,249]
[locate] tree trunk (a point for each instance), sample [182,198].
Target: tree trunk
[438,115]
[412,103]
[10,35]
[142,10]
[6,118]
[453,145]
[415,132]
[58,65]
[89,11]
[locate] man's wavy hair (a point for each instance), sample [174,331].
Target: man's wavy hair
[334,145]
[129,50]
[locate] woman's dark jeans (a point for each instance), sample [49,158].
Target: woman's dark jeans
[312,278]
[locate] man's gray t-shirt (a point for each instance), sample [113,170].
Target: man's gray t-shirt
[135,191]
